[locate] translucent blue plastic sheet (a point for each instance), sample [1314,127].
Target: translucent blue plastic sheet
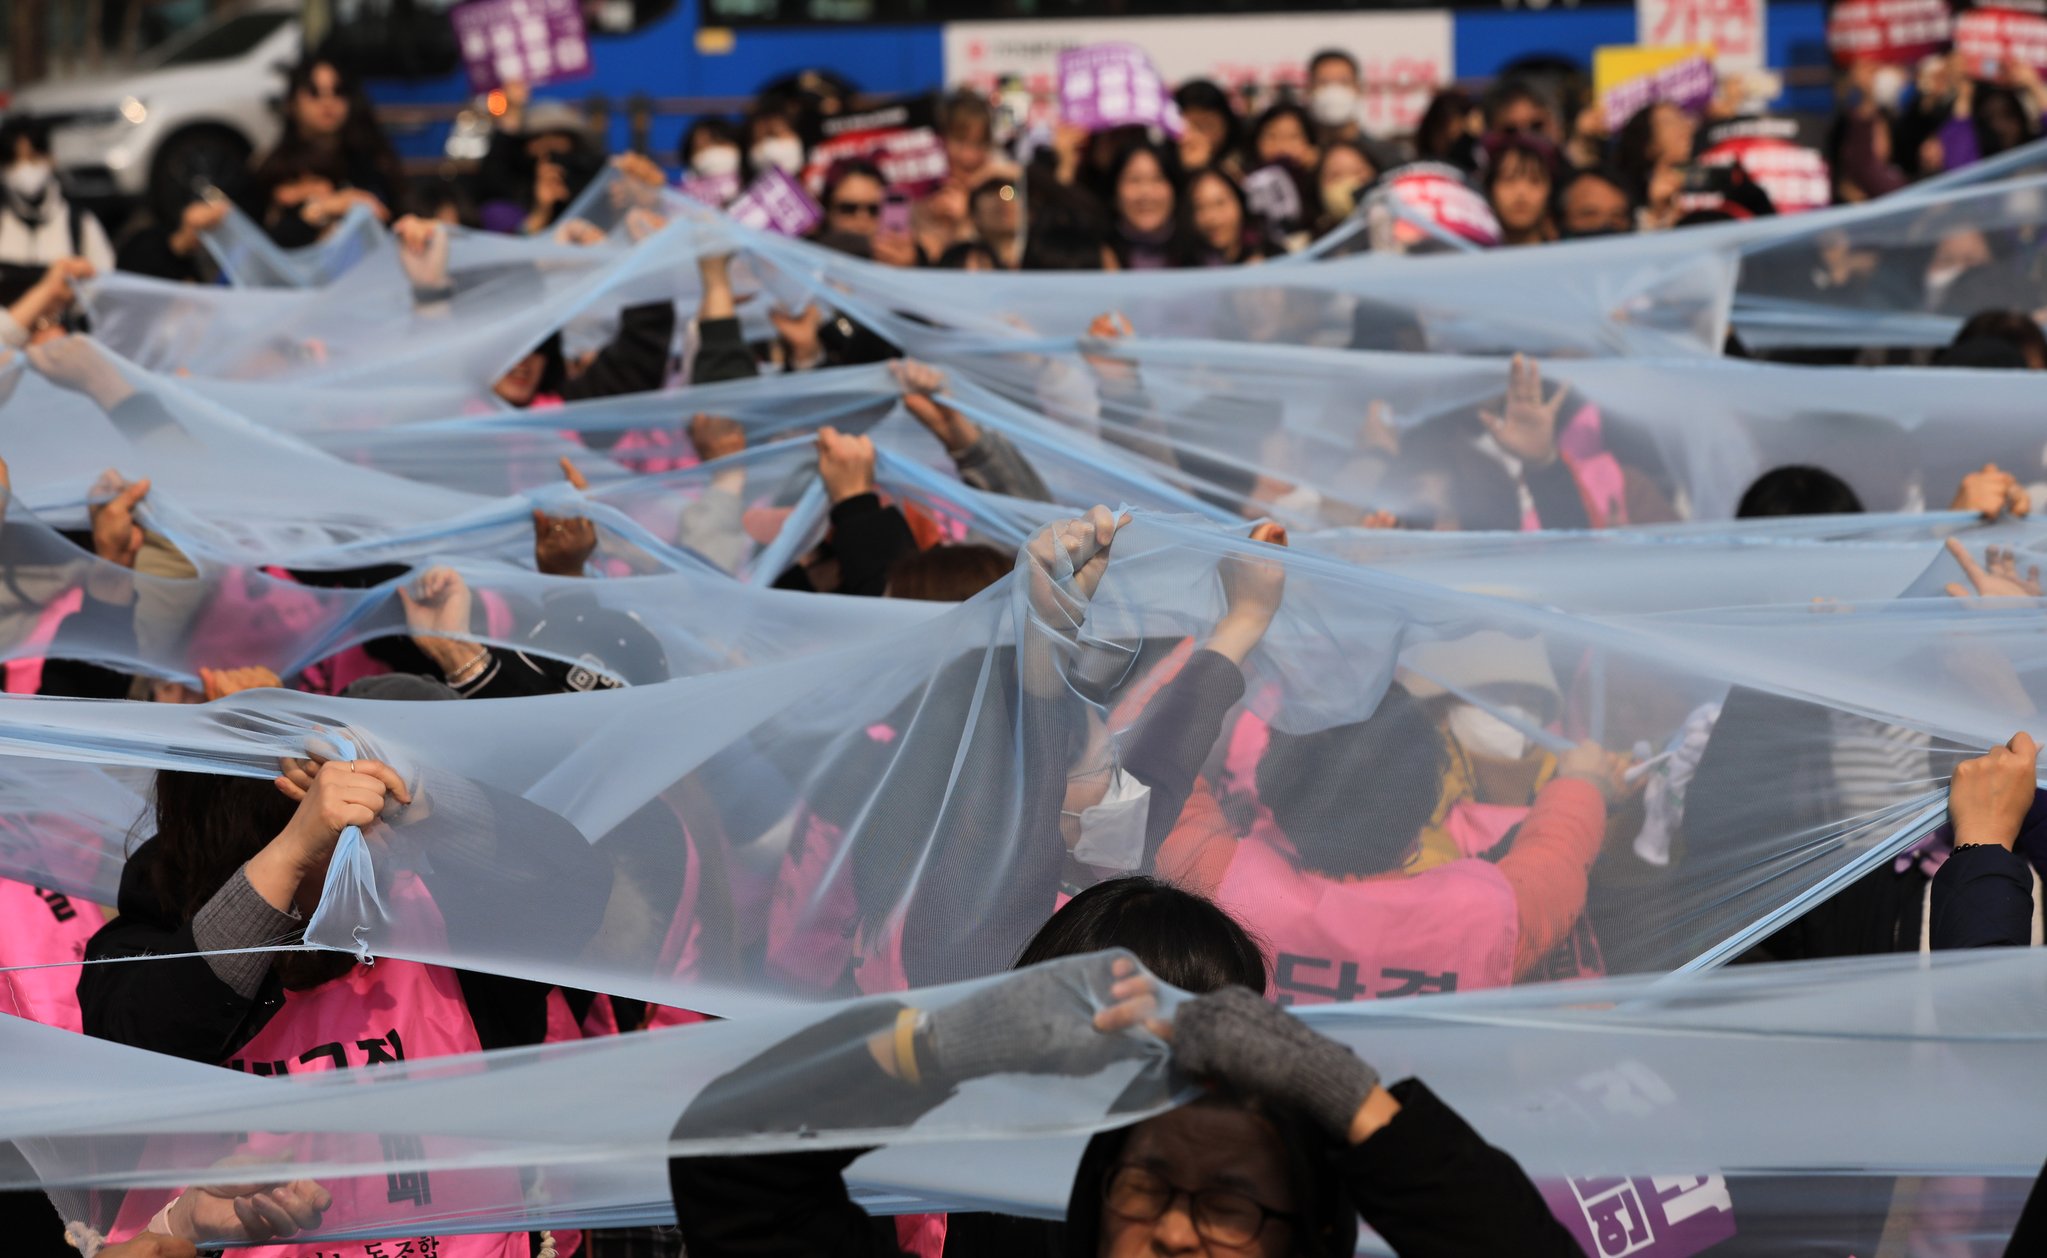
[855,856]
[1686,1078]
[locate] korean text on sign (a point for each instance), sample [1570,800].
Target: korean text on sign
[1114,85]
[535,42]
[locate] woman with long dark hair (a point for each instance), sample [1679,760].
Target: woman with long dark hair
[328,122]
[238,864]
[1149,233]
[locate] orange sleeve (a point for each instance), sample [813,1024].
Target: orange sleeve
[1197,852]
[1547,867]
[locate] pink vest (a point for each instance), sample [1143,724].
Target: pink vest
[38,927]
[814,916]
[391,1011]
[25,676]
[1451,928]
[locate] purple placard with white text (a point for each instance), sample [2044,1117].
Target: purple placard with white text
[1689,84]
[712,190]
[1114,85]
[777,203]
[1657,1216]
[535,42]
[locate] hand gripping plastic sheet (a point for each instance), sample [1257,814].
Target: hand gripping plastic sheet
[1697,1094]
[1329,437]
[906,808]
[248,258]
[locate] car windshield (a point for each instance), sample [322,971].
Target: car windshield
[230,39]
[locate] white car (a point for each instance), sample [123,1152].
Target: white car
[191,113]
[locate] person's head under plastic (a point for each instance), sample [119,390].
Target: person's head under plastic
[1214,131]
[1342,175]
[1183,938]
[710,149]
[1284,133]
[1219,217]
[1520,178]
[853,196]
[1333,86]
[1593,203]
[2000,338]
[1797,490]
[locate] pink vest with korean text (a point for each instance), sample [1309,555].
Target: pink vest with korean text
[1452,928]
[38,927]
[387,1012]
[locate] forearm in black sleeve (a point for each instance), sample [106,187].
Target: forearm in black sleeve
[1983,898]
[176,1005]
[722,353]
[791,1205]
[636,361]
[1178,730]
[508,675]
[868,538]
[1554,489]
[1430,1185]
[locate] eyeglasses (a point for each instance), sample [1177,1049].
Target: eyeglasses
[314,91]
[1229,1219]
[866,209]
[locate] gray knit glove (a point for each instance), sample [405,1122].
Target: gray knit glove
[1038,1022]
[1238,1037]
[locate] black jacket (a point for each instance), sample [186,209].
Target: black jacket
[178,1006]
[1426,1181]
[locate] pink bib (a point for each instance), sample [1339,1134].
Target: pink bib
[387,1012]
[36,928]
[1452,928]
[25,676]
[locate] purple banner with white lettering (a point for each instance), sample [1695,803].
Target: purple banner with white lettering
[1114,85]
[1659,1216]
[1689,84]
[713,190]
[535,42]
[777,203]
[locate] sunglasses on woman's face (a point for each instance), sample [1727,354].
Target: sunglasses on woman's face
[868,209]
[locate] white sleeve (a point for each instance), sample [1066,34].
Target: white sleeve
[98,249]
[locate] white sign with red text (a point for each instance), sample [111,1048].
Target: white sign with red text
[1404,56]
[1735,28]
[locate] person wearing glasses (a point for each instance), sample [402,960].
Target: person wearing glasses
[1290,1140]
[854,194]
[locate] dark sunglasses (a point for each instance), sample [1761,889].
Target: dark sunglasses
[870,209]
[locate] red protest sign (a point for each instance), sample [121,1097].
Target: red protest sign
[1990,39]
[1896,31]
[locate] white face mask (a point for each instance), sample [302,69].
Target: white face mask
[1888,86]
[1488,737]
[1334,104]
[783,152]
[1112,832]
[716,161]
[29,180]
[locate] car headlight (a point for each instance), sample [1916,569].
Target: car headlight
[134,110]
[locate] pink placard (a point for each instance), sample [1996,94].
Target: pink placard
[1114,85]
[535,42]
